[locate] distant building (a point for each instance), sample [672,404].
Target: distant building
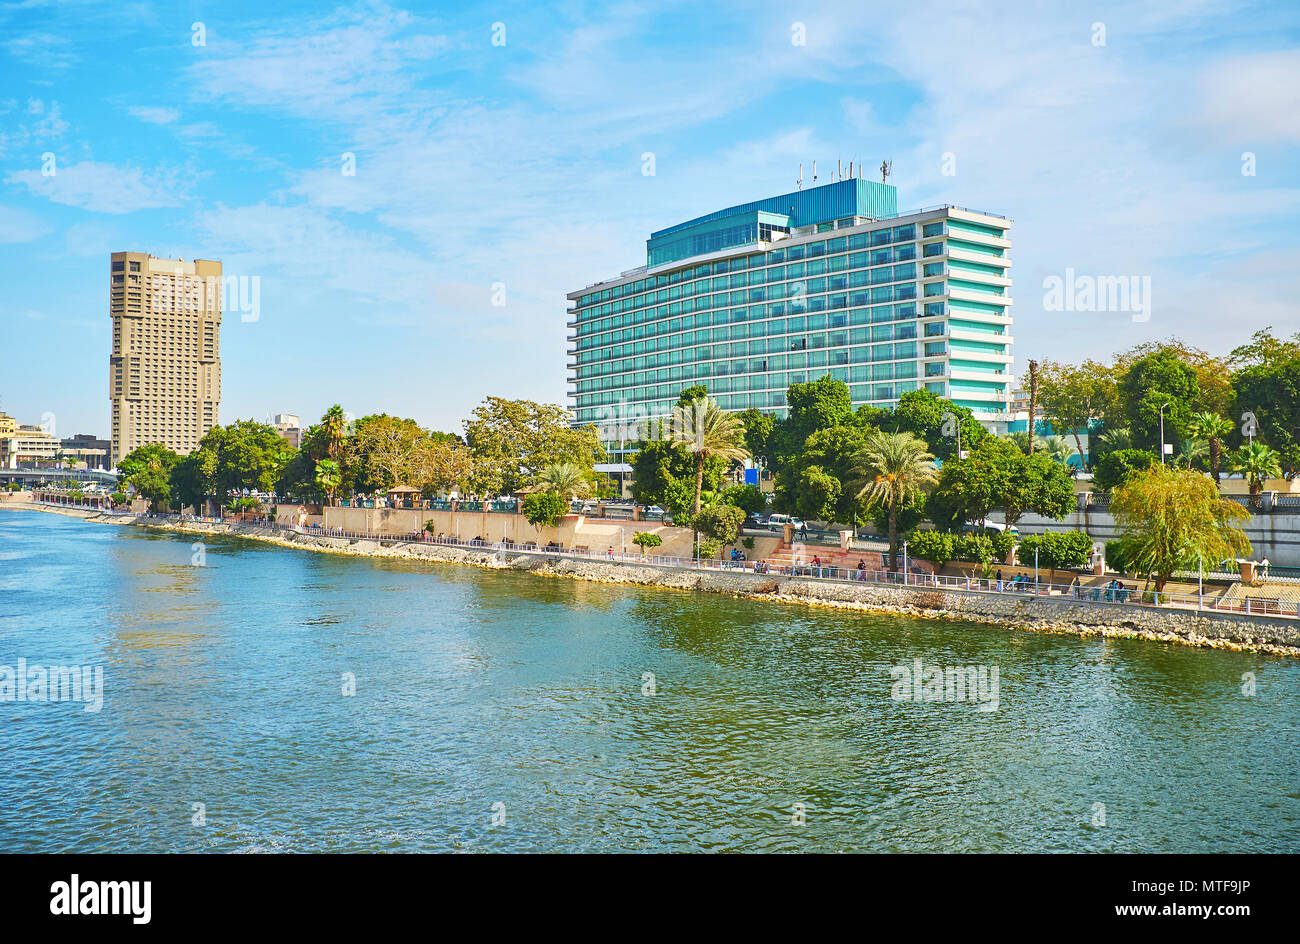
[26,447]
[164,375]
[289,426]
[86,451]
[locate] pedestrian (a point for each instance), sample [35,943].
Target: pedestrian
[999,580]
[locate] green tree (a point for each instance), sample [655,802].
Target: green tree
[1151,382]
[380,453]
[835,452]
[329,478]
[543,509]
[936,421]
[659,465]
[1115,467]
[1257,462]
[998,475]
[148,470]
[745,497]
[334,427]
[896,468]
[758,431]
[1268,388]
[816,494]
[704,430]
[512,440]
[644,539]
[1171,517]
[1211,429]
[1074,396]
[720,522]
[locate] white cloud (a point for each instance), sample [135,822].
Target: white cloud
[105,188]
[154,115]
[1255,98]
[19,226]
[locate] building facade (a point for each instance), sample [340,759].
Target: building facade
[289,426]
[164,375]
[86,451]
[25,446]
[829,280]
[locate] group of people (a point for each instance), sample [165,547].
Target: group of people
[1017,583]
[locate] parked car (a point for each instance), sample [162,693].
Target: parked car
[654,510]
[755,522]
[778,522]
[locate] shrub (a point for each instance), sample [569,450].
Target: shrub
[933,546]
[706,547]
[428,526]
[1058,550]
[748,544]
[543,509]
[1003,542]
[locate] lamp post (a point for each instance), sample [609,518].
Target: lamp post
[1036,568]
[1162,433]
[904,563]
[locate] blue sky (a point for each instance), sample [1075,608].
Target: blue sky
[522,164]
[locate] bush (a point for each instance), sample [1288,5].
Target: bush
[1058,550]
[1115,557]
[543,509]
[1003,542]
[973,548]
[707,547]
[1114,468]
[748,544]
[933,546]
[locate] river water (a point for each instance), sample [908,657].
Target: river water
[509,712]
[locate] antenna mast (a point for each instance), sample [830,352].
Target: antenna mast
[886,168]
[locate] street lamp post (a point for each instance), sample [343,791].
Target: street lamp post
[1162,433]
[904,563]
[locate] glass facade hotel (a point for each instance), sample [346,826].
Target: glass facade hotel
[830,280]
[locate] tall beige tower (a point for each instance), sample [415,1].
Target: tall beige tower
[164,375]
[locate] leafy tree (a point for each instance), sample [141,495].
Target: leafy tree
[119,498]
[194,478]
[660,464]
[935,420]
[720,522]
[543,509]
[998,475]
[1171,517]
[512,440]
[379,453]
[896,468]
[1151,381]
[692,393]
[758,431]
[244,456]
[816,494]
[1073,397]
[745,497]
[1265,350]
[148,470]
[1269,389]
[1257,462]
[834,451]
[440,463]
[933,546]
[815,405]
[1115,467]
[1211,429]
[645,539]
[1057,550]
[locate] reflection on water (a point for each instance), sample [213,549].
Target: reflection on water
[223,686]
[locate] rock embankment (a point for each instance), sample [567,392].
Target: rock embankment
[1234,631]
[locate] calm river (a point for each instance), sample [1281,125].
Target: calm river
[506,712]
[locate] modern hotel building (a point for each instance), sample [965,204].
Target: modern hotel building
[829,280]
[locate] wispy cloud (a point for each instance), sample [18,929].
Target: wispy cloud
[105,188]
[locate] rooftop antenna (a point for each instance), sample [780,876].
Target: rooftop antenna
[798,184]
[839,170]
[814,172]
[886,168]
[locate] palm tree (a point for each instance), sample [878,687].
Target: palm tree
[897,468]
[1211,428]
[703,428]
[335,423]
[1022,440]
[1059,449]
[1116,439]
[1191,451]
[1257,462]
[328,478]
[566,479]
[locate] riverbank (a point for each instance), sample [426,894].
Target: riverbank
[1061,615]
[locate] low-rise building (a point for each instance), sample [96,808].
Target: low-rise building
[27,447]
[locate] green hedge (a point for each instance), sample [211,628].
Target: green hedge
[1059,550]
[932,546]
